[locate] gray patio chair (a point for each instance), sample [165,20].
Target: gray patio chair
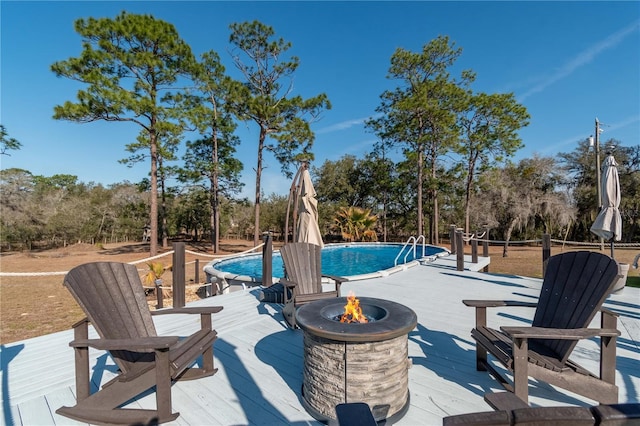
[112,297]
[573,290]
[303,269]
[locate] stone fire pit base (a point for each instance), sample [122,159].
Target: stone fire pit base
[346,363]
[374,373]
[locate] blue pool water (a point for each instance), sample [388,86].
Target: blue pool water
[340,260]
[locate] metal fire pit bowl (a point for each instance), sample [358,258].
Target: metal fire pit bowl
[387,320]
[356,362]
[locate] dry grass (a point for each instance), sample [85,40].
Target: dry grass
[33,306]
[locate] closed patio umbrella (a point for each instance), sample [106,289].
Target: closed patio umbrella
[608,223]
[308,230]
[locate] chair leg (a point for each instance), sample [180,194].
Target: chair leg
[83,380]
[481,358]
[481,352]
[207,359]
[520,369]
[207,355]
[289,313]
[103,407]
[608,349]
[163,385]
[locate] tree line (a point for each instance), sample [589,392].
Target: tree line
[516,201]
[442,154]
[519,200]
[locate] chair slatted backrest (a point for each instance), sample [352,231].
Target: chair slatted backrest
[574,288]
[303,266]
[112,297]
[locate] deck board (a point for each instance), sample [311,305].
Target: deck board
[36,411]
[260,359]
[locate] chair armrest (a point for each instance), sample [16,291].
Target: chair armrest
[189,310]
[338,280]
[609,312]
[145,343]
[482,305]
[287,283]
[497,303]
[558,333]
[608,318]
[82,323]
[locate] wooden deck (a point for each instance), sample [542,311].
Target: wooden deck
[260,359]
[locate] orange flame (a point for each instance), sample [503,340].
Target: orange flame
[353,311]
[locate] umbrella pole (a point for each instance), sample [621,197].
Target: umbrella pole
[294,234]
[612,256]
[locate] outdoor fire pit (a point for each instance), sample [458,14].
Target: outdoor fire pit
[356,362]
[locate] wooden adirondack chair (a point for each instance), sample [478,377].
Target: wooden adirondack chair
[573,290]
[113,299]
[598,415]
[302,263]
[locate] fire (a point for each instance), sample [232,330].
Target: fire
[353,311]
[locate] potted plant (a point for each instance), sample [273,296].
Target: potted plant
[154,275]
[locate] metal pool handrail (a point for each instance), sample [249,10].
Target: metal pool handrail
[413,246]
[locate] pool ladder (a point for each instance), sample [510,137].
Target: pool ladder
[411,244]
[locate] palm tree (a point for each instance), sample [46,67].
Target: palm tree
[356,224]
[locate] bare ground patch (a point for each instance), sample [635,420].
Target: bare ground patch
[33,306]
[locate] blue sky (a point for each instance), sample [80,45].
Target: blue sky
[567,62]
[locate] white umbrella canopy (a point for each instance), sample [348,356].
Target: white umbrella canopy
[308,230]
[608,223]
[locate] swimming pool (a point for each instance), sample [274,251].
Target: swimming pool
[354,261]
